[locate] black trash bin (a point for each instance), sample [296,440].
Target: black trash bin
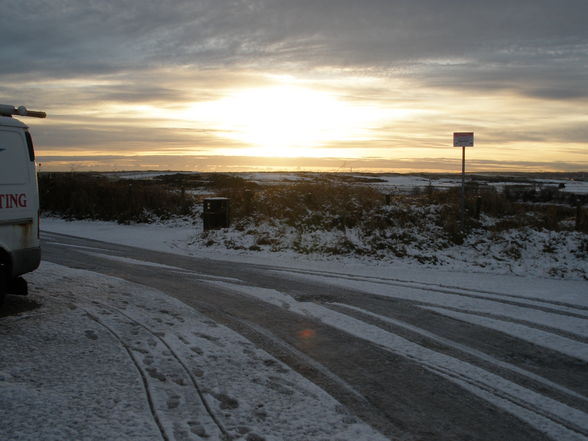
[216,213]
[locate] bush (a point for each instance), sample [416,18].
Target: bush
[384,222]
[93,196]
[307,206]
[324,215]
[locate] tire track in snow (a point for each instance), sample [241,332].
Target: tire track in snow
[532,323]
[553,320]
[559,421]
[144,376]
[303,357]
[545,336]
[274,400]
[150,370]
[573,310]
[563,308]
[138,367]
[178,360]
[465,349]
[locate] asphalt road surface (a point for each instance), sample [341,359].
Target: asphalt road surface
[451,380]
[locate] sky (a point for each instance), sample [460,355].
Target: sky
[241,85]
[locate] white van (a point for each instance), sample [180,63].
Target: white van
[20,250]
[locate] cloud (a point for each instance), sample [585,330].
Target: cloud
[128,140]
[251,163]
[536,47]
[100,66]
[109,35]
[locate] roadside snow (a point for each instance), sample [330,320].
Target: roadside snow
[164,237]
[554,255]
[103,358]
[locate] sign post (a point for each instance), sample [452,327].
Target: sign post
[463,140]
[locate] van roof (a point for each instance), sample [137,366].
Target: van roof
[11,122]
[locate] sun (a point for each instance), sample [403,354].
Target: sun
[285,120]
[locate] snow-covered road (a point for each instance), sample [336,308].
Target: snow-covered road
[416,354]
[103,358]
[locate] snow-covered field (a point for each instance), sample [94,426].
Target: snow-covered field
[383,181]
[408,182]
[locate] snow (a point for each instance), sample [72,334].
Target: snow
[273,177]
[486,252]
[409,182]
[546,311]
[477,354]
[179,238]
[156,367]
[538,410]
[384,181]
[578,187]
[141,174]
[471,302]
[151,236]
[558,343]
[134,261]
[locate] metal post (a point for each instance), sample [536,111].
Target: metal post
[463,188]
[463,140]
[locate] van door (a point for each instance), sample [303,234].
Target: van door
[14,168]
[19,205]
[17,186]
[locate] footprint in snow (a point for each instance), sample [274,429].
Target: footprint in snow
[197,429]
[91,335]
[196,350]
[173,402]
[154,373]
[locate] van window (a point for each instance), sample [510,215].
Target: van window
[14,161]
[30,146]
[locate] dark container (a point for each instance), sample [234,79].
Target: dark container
[216,213]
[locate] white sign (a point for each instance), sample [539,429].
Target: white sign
[463,139]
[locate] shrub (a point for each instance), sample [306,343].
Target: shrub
[92,196]
[325,215]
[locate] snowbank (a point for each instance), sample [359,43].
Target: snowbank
[522,252]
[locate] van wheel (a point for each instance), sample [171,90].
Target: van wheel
[3,284]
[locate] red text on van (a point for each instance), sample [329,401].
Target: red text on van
[15,200]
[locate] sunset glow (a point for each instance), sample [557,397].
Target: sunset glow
[309,87]
[286,121]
